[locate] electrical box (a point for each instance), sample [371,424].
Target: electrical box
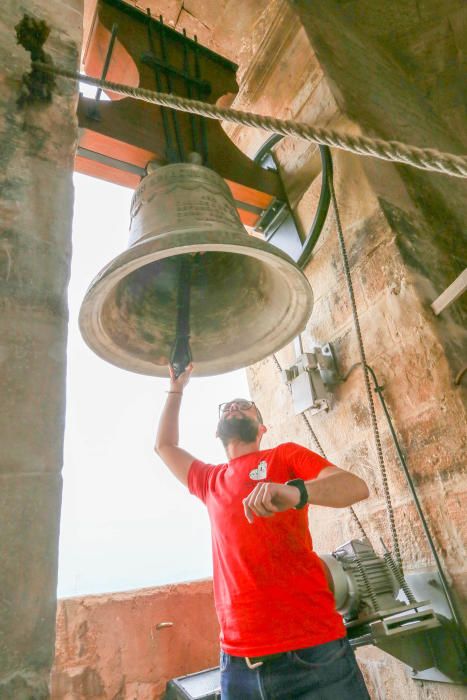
[205,685]
[310,379]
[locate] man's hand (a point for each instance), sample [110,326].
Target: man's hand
[267,499]
[177,384]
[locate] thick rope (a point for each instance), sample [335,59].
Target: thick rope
[423,158]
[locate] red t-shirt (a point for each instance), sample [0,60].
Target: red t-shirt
[270,590]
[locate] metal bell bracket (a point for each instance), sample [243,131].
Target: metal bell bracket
[310,379]
[128,134]
[277,222]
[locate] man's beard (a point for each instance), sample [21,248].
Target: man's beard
[243,429]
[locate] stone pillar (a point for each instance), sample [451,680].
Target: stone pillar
[36,154]
[354,67]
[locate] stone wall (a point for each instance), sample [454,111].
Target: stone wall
[394,73]
[36,156]
[128,645]
[404,240]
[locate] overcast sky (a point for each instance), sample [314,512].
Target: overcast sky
[126,522]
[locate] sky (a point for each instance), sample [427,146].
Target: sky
[126,521]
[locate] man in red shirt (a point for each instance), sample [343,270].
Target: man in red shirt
[281,637]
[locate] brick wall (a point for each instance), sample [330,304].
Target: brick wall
[128,645]
[404,243]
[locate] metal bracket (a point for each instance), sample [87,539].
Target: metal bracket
[153,55]
[310,378]
[422,636]
[447,641]
[278,224]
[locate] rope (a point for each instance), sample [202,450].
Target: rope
[423,158]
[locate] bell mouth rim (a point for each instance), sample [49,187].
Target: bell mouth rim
[153,249]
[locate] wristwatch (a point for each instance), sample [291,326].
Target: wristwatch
[300,484]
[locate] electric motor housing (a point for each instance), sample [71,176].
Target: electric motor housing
[361,581]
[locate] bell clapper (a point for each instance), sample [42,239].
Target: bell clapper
[181,352]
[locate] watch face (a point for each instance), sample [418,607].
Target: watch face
[260,471]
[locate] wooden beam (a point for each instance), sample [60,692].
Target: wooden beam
[453,292]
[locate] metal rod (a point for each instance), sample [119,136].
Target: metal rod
[202,125]
[112,162]
[186,70]
[168,79]
[169,150]
[155,62]
[93,112]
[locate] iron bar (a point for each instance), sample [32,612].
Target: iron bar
[169,150]
[168,80]
[112,162]
[94,110]
[188,83]
[155,62]
[202,125]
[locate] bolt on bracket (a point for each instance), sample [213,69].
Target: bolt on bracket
[311,379]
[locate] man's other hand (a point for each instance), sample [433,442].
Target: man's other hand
[267,499]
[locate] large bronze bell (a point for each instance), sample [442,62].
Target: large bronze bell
[246,298]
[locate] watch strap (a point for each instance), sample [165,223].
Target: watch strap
[300,484]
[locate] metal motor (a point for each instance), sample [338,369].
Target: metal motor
[379,608]
[362,582]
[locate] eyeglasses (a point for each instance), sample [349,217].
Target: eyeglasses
[241,404]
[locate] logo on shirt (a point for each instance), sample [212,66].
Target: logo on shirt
[260,471]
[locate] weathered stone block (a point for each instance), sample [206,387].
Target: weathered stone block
[29,523]
[32,372]
[36,161]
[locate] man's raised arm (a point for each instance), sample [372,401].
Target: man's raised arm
[177,460]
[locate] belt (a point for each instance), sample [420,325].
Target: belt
[257,661]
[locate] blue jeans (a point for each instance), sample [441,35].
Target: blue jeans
[323,672]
